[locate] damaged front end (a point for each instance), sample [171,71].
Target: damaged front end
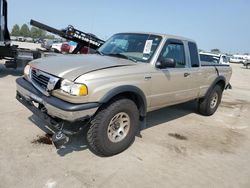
[55,112]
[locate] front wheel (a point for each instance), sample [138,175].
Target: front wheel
[113,128]
[208,105]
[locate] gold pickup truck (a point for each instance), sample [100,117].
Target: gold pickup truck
[112,90]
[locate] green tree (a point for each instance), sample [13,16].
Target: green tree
[37,33]
[41,33]
[34,32]
[50,36]
[216,51]
[15,30]
[25,31]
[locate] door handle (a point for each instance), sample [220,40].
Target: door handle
[147,77]
[186,74]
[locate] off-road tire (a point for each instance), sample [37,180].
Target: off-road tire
[97,135]
[205,106]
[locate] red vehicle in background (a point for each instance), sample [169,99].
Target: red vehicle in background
[65,48]
[68,47]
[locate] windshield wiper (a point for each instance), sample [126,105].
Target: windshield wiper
[122,56]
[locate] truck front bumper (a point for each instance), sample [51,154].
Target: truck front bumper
[56,108]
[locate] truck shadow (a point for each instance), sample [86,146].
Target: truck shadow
[167,114]
[78,142]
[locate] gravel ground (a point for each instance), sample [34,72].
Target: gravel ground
[177,148]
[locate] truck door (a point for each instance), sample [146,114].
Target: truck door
[171,85]
[198,75]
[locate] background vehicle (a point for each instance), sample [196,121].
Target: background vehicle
[238,59]
[13,38]
[21,39]
[247,64]
[28,39]
[109,92]
[213,58]
[68,47]
[47,43]
[56,46]
[38,40]
[65,48]
[17,58]
[52,44]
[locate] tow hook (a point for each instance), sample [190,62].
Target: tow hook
[59,138]
[229,86]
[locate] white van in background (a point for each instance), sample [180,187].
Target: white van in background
[239,58]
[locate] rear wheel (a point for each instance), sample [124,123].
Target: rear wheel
[208,105]
[114,127]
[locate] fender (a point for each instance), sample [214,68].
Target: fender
[218,79]
[131,89]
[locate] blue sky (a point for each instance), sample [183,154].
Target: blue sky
[223,24]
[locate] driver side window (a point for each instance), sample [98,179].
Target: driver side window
[174,51]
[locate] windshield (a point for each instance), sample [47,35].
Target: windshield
[209,58]
[139,47]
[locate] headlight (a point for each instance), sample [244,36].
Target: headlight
[74,88]
[26,71]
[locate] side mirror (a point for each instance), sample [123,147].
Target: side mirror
[165,63]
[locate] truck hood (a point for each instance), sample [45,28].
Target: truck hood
[72,66]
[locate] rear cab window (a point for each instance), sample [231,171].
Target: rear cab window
[194,57]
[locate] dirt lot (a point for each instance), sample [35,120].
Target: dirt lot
[177,148]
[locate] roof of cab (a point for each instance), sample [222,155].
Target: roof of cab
[160,34]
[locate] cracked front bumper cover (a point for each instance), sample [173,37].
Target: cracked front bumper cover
[26,94]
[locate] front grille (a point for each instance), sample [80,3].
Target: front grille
[40,79]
